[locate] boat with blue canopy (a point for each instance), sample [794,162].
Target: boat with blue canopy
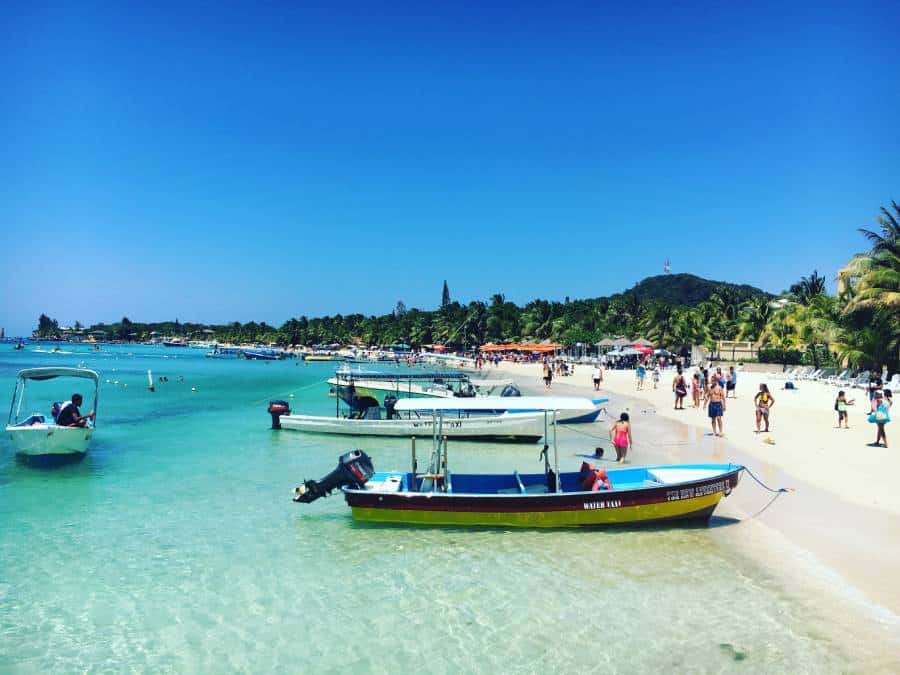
[590,496]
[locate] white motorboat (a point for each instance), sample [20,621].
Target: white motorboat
[32,435]
[426,417]
[525,427]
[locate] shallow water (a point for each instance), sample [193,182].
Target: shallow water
[174,546]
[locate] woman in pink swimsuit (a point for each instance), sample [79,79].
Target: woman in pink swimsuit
[620,433]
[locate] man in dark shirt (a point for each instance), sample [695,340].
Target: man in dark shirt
[70,415]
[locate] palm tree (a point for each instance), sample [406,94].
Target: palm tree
[754,315]
[873,279]
[808,288]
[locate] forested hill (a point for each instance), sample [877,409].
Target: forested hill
[687,289]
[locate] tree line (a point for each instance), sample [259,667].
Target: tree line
[858,326]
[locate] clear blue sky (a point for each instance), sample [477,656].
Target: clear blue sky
[224,161]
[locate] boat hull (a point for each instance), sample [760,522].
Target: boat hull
[524,428]
[690,501]
[44,440]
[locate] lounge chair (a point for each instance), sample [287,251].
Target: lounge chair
[835,379]
[894,383]
[861,381]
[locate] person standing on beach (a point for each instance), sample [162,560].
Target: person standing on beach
[548,375]
[715,397]
[881,416]
[764,402]
[679,389]
[695,389]
[620,434]
[731,382]
[840,406]
[641,373]
[597,375]
[656,378]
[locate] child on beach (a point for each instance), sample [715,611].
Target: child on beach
[656,378]
[620,433]
[840,406]
[597,376]
[641,373]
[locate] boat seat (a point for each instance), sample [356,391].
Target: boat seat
[519,481]
[31,421]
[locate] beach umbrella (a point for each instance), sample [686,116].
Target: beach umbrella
[621,342]
[662,352]
[643,350]
[641,342]
[606,342]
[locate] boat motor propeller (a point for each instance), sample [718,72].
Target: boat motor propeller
[354,468]
[276,410]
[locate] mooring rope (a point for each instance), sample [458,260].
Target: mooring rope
[766,487]
[292,391]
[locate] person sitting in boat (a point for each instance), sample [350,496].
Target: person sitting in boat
[70,415]
[593,479]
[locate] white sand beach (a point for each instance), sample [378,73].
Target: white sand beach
[844,510]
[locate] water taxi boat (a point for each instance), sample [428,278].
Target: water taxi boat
[590,497]
[32,435]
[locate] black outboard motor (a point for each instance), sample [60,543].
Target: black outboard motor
[276,410]
[510,390]
[389,402]
[354,468]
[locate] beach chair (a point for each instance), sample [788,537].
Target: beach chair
[813,374]
[837,379]
[894,383]
[824,374]
[861,381]
[847,380]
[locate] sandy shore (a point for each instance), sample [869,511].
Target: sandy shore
[844,513]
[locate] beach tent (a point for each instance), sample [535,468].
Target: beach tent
[642,349]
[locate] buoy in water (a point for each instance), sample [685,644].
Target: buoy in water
[193,388]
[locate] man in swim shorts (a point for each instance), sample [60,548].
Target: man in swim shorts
[716,405]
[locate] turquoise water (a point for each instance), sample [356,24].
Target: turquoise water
[174,547]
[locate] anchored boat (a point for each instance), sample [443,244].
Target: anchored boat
[588,497]
[483,418]
[32,435]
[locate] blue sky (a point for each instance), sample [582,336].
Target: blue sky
[225,161]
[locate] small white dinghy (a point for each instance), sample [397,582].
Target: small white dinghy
[32,435]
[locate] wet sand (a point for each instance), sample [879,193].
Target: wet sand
[842,556]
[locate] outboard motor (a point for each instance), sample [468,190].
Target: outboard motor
[354,468]
[510,390]
[276,410]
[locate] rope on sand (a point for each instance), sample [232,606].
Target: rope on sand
[766,487]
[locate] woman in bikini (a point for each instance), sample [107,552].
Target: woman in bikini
[620,433]
[764,403]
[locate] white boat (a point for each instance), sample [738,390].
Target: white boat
[427,417]
[448,384]
[32,435]
[525,427]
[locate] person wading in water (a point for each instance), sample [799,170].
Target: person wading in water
[620,433]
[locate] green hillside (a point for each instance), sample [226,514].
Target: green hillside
[687,289]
